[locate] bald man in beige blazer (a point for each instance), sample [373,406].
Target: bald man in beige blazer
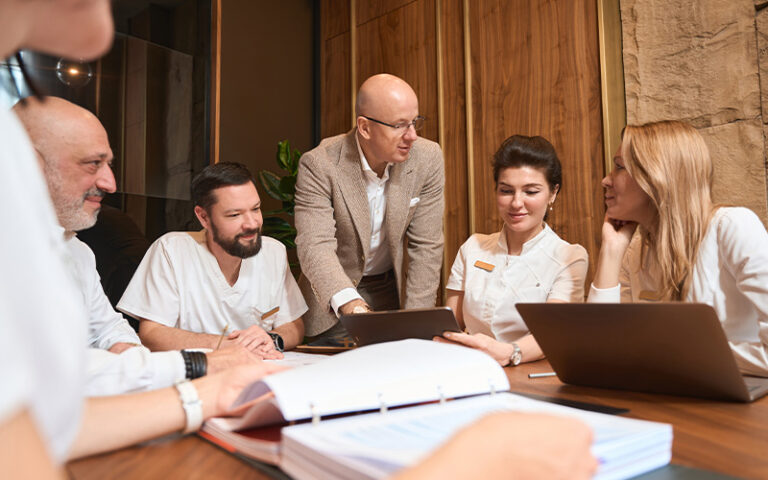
[364,197]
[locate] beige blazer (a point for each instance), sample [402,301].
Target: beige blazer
[334,225]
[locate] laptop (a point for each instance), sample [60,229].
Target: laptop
[390,325]
[672,348]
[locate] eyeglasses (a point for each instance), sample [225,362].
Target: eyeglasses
[417,123]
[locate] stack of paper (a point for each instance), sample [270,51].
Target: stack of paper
[377,445]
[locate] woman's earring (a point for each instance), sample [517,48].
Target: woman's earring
[550,206]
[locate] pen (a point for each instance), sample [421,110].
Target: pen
[221,337]
[540,375]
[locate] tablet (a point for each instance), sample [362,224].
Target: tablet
[390,325]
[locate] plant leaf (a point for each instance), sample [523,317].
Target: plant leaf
[284,155]
[271,183]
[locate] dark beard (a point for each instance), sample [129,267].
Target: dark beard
[234,247]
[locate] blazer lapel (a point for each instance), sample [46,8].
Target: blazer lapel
[398,202]
[352,186]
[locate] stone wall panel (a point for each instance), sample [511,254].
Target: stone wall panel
[693,61]
[737,154]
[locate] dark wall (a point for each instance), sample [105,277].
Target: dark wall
[266,81]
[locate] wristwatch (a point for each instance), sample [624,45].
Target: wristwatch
[278,341]
[516,357]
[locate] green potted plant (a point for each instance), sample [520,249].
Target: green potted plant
[282,188]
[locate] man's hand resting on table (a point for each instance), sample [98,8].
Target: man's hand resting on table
[256,340]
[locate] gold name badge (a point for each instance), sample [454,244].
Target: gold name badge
[485,266]
[271,312]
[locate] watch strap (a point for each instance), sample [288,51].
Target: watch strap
[192,405]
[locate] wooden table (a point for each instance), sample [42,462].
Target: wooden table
[729,438]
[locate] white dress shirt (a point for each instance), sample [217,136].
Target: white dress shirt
[493,281]
[179,284]
[43,326]
[106,327]
[731,275]
[379,258]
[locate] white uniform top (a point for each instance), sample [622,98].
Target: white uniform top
[43,327]
[135,369]
[179,284]
[731,275]
[494,281]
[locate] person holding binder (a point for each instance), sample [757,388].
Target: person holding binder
[664,239]
[524,262]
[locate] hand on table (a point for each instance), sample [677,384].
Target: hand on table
[230,356]
[255,339]
[500,351]
[350,306]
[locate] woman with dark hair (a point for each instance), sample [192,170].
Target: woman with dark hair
[525,262]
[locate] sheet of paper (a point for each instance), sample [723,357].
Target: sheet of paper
[298,359]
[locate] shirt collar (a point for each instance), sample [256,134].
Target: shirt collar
[527,246]
[367,170]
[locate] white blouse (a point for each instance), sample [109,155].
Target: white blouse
[494,281]
[731,275]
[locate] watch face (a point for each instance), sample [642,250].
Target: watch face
[516,357]
[278,340]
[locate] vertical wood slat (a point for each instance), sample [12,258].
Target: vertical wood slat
[612,75]
[454,123]
[215,80]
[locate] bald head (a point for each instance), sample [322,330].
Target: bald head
[387,109]
[380,90]
[74,151]
[54,123]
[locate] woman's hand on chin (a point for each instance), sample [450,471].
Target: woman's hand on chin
[617,234]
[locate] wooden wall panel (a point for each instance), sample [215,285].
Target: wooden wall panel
[335,100]
[370,9]
[402,42]
[334,18]
[335,83]
[454,138]
[536,71]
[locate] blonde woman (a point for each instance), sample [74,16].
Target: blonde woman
[525,262]
[664,239]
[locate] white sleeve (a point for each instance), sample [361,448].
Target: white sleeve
[569,284]
[456,280]
[153,292]
[743,245]
[292,304]
[604,295]
[342,297]
[106,327]
[134,370]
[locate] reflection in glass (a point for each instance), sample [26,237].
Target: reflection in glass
[73,73]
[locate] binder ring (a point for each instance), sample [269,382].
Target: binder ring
[315,414]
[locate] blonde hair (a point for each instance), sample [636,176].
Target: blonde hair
[670,162]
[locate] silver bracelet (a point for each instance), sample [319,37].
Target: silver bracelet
[192,405]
